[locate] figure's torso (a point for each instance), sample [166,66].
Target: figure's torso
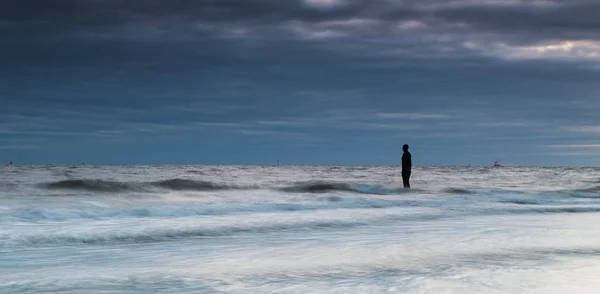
[406,161]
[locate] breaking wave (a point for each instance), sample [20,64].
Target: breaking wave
[325,187]
[595,189]
[192,185]
[327,202]
[591,193]
[458,191]
[521,201]
[566,210]
[114,186]
[181,184]
[319,187]
[91,185]
[162,235]
[196,185]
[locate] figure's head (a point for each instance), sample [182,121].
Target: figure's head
[405,147]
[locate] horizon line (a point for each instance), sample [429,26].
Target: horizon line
[287,165]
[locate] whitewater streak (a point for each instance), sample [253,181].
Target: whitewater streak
[264,229]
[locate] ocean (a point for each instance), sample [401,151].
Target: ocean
[298,229]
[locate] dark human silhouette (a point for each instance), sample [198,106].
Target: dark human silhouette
[406,166]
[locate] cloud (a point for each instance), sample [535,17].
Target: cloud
[444,135]
[576,146]
[583,154]
[325,4]
[376,126]
[278,135]
[218,124]
[285,123]
[19,147]
[505,124]
[110,132]
[415,115]
[583,129]
[507,29]
[553,50]
[268,133]
[5,130]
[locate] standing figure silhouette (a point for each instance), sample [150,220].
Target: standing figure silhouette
[406,166]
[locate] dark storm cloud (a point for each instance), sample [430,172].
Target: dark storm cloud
[220,31]
[552,19]
[112,12]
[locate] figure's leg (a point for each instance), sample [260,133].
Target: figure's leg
[406,179]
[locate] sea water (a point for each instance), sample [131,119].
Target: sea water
[298,229]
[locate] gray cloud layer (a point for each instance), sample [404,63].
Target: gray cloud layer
[505,29]
[538,20]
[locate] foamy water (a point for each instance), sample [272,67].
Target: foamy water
[252,229]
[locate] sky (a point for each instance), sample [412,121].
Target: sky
[315,82]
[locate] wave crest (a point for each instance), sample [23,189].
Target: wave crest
[458,191]
[91,185]
[191,185]
[326,187]
[115,186]
[320,187]
[162,235]
[595,189]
